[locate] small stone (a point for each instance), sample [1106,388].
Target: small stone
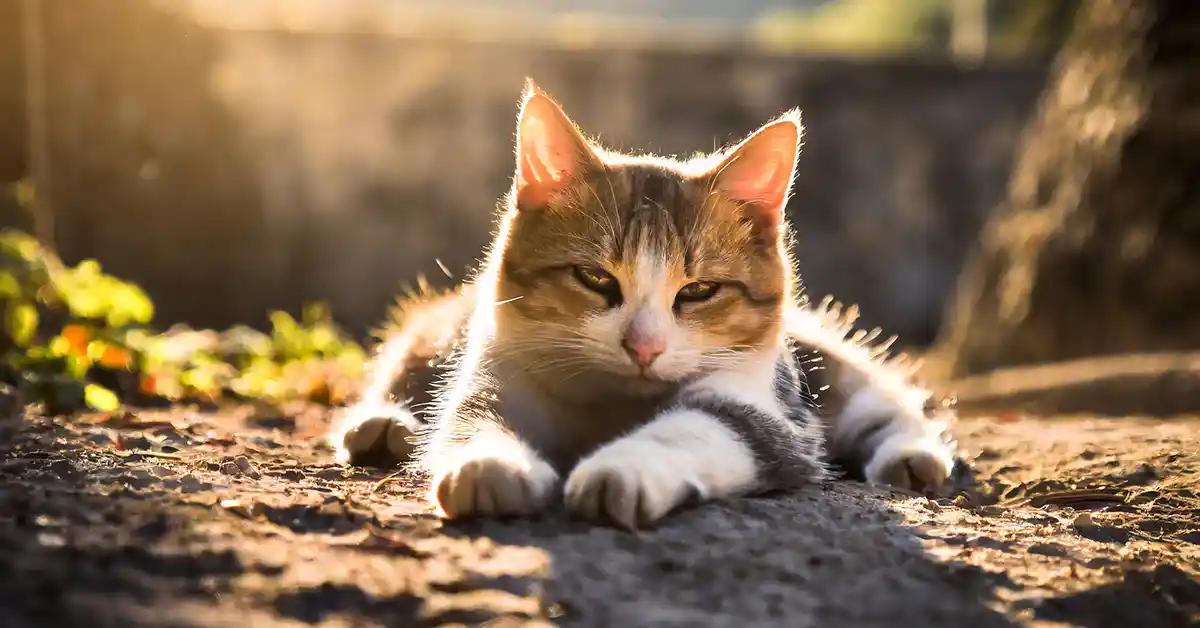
[292,475]
[162,472]
[190,484]
[1048,549]
[1084,520]
[247,468]
[64,469]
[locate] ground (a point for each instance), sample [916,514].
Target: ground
[238,516]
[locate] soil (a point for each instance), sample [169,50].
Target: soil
[238,516]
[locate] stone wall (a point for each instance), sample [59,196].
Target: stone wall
[233,171]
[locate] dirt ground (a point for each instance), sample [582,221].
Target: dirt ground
[237,516]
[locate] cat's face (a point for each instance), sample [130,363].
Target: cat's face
[648,270]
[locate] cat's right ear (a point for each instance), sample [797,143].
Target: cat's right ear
[551,152]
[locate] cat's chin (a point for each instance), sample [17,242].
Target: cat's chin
[621,383]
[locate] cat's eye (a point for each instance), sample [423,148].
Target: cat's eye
[698,291]
[596,279]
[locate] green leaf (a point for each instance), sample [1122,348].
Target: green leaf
[88,268]
[21,320]
[85,303]
[100,398]
[78,366]
[9,288]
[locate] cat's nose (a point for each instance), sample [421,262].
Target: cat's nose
[644,349]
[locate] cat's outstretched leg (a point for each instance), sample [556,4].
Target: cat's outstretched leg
[377,430]
[880,426]
[478,464]
[728,434]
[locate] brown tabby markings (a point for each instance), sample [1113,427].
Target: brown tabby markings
[626,215]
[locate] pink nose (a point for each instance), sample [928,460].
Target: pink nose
[644,349]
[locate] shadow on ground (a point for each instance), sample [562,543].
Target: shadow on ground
[825,557]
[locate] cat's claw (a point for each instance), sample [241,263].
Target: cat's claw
[628,491]
[495,487]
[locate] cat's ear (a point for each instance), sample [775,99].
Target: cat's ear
[758,172]
[551,152]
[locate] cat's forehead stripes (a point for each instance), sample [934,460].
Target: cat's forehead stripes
[651,204]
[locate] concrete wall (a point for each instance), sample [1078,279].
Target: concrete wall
[232,171]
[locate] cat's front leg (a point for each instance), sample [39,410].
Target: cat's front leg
[481,466]
[727,435]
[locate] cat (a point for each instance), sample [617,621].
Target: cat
[636,342]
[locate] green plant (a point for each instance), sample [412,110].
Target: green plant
[75,337]
[62,323]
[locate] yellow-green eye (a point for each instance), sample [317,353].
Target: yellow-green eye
[596,279]
[698,291]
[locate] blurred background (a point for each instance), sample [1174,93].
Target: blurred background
[1000,182]
[238,156]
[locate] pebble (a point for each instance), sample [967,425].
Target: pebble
[190,484]
[247,468]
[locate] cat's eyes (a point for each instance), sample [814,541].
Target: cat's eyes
[597,279]
[601,281]
[698,291]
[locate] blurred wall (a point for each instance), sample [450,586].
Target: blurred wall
[14,159]
[233,171]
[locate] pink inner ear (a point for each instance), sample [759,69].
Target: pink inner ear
[549,151]
[759,172]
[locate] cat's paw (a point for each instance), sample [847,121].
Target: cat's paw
[495,487]
[921,464]
[627,485]
[377,437]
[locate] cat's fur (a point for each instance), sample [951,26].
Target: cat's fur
[593,369]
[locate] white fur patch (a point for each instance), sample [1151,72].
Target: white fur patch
[927,455]
[640,478]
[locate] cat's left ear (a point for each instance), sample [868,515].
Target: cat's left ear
[758,172]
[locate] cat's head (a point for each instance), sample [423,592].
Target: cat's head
[647,269]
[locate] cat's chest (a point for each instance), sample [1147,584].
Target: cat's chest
[565,431]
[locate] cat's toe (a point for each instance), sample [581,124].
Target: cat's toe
[378,442]
[493,487]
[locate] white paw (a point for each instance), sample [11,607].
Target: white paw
[921,463]
[495,487]
[374,435]
[631,483]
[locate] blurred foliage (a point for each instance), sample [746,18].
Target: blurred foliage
[1014,28]
[76,337]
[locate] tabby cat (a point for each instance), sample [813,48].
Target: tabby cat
[636,342]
